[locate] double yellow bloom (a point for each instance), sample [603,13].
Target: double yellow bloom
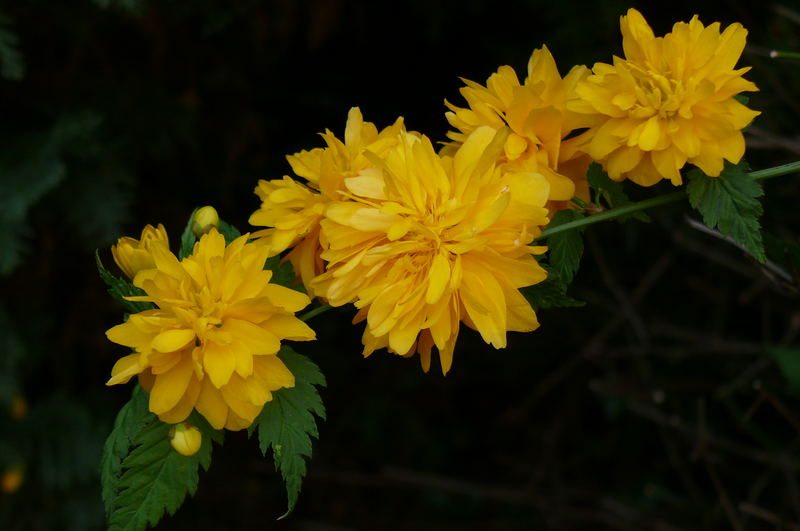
[211,342]
[419,241]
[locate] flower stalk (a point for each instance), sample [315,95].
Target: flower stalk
[776,171]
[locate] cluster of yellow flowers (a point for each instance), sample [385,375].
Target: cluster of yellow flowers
[421,241]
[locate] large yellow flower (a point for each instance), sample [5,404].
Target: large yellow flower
[211,343]
[424,242]
[668,102]
[293,209]
[540,123]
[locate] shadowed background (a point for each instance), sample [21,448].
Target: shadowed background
[656,406]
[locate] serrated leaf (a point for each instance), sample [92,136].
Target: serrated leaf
[157,478]
[612,192]
[788,360]
[188,238]
[566,248]
[119,289]
[130,420]
[551,293]
[286,424]
[730,203]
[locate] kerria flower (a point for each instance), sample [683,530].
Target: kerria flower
[424,242]
[211,342]
[293,209]
[542,135]
[132,255]
[668,102]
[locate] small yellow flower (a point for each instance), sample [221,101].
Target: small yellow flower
[293,209]
[211,344]
[185,439]
[539,120]
[204,219]
[133,255]
[668,102]
[423,242]
[12,479]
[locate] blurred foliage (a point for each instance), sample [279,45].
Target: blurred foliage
[665,403]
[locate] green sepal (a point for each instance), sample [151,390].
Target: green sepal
[611,192]
[119,288]
[156,478]
[287,423]
[730,203]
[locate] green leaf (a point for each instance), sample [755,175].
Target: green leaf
[286,424]
[788,360]
[229,231]
[730,203]
[119,289]
[11,64]
[566,248]
[133,416]
[283,273]
[188,238]
[612,192]
[551,293]
[157,478]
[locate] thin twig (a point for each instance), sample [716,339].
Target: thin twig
[767,516]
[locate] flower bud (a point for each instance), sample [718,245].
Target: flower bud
[132,255]
[185,438]
[204,219]
[12,479]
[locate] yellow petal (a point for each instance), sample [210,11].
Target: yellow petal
[172,340]
[124,369]
[438,278]
[170,386]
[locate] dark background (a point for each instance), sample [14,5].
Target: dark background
[656,406]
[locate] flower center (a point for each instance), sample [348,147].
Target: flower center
[656,94]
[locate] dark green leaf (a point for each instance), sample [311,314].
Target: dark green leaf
[229,231]
[283,273]
[286,424]
[788,360]
[131,418]
[730,203]
[566,248]
[611,192]
[549,294]
[157,478]
[119,289]
[188,238]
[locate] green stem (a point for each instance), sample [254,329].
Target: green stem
[778,54]
[671,197]
[315,312]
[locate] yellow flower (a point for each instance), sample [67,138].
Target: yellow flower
[540,123]
[211,343]
[293,210]
[424,242]
[668,102]
[185,439]
[133,255]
